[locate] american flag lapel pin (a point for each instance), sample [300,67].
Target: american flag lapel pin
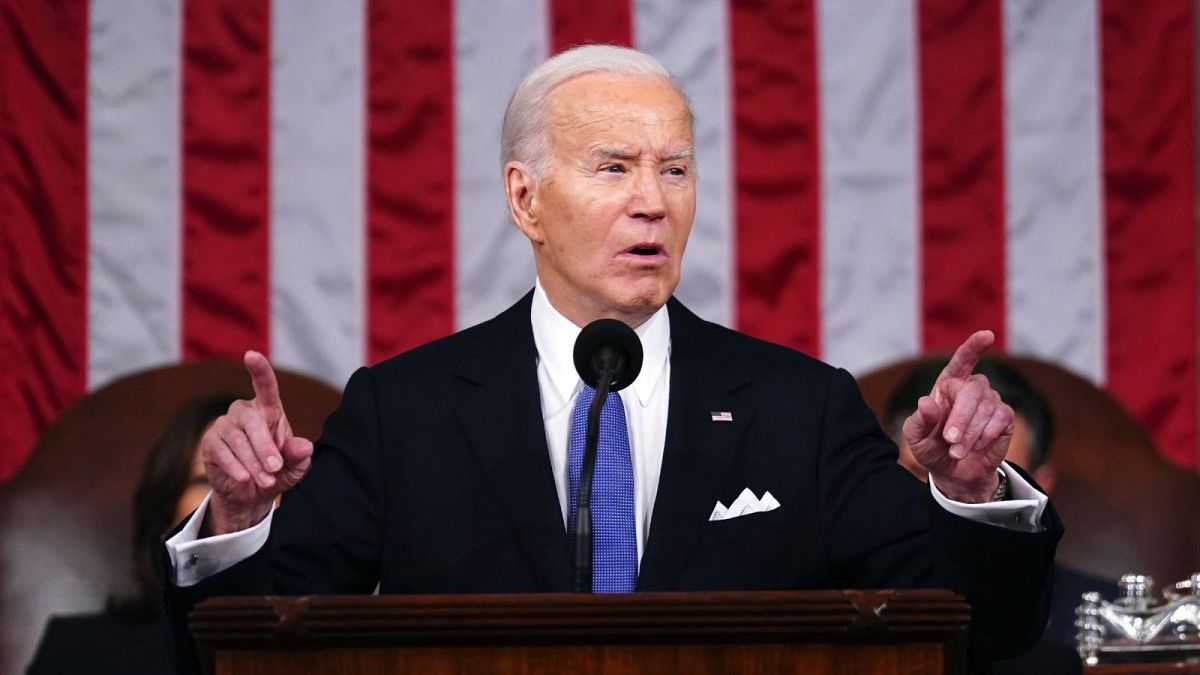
[723,416]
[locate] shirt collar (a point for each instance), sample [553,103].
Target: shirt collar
[554,335]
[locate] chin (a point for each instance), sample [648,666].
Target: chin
[644,303]
[634,295]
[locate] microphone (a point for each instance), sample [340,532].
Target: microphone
[608,357]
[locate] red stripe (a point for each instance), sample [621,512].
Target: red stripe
[43,212]
[778,181]
[1146,58]
[226,181]
[410,174]
[962,166]
[575,22]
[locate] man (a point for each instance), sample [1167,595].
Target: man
[447,469]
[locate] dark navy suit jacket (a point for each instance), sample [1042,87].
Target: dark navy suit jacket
[433,476]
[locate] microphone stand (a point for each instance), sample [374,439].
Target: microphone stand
[583,511]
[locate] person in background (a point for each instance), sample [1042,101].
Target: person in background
[128,636]
[1032,439]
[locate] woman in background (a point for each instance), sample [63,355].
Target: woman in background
[129,637]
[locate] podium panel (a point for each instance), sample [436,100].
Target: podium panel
[869,632]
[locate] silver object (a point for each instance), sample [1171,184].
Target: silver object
[1136,627]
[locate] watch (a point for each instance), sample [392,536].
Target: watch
[1001,493]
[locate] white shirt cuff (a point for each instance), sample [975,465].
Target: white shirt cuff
[1022,511]
[202,558]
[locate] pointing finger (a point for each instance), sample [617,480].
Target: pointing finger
[266,387]
[965,358]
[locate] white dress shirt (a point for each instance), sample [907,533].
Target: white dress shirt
[645,403]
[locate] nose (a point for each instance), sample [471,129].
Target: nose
[647,200]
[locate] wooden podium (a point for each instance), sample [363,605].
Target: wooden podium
[909,631]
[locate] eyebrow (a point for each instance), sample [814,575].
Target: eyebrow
[612,152]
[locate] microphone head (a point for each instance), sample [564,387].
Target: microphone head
[612,345]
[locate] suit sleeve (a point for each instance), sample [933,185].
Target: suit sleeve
[884,530]
[325,536]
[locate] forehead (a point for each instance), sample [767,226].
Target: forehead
[607,108]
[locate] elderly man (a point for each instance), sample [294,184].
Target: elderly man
[449,469]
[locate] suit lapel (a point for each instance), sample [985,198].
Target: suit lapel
[502,418]
[698,452]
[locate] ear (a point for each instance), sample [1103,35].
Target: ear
[520,187]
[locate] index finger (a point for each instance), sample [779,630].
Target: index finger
[965,358]
[266,387]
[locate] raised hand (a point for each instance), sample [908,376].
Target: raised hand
[960,432]
[251,455]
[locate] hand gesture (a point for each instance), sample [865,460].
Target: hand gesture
[251,455]
[960,432]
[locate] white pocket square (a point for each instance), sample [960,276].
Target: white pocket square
[745,504]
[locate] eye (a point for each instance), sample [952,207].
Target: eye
[612,168]
[676,171]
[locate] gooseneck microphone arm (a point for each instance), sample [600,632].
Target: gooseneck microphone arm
[583,512]
[608,356]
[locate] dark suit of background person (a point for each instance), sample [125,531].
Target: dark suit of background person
[130,636]
[433,477]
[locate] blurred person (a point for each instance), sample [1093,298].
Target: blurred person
[1032,439]
[128,636]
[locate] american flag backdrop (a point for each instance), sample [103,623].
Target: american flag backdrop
[320,180]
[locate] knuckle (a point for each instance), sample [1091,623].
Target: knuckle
[242,447]
[229,467]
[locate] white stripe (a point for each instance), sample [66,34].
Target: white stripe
[317,187]
[133,186]
[495,45]
[870,295]
[1053,183]
[692,38]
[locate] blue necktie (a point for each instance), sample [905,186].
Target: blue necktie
[614,548]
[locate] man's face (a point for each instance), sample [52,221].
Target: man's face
[610,217]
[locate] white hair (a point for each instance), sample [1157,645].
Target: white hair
[525,136]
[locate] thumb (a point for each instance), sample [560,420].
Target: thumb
[296,450]
[297,457]
[924,421]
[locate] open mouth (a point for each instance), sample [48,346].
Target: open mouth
[647,250]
